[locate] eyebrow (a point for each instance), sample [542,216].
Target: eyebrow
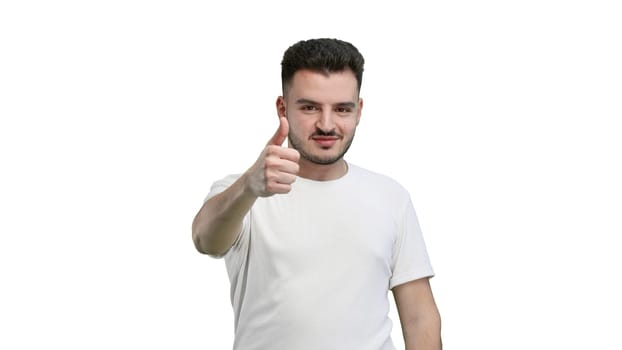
[303,101]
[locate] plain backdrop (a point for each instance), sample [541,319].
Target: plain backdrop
[501,118]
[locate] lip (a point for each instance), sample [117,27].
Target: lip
[325,141]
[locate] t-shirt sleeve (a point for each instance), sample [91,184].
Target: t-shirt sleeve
[410,258]
[218,187]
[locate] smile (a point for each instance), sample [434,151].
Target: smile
[325,141]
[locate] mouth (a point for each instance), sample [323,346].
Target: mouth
[325,141]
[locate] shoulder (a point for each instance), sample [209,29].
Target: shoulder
[375,181]
[227,180]
[375,177]
[222,184]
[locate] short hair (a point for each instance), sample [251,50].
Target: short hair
[321,55]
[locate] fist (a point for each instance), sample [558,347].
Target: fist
[276,168]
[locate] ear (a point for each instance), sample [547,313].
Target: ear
[281,109]
[360,110]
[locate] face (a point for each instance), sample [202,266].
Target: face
[323,112]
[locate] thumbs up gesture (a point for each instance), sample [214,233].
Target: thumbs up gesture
[276,168]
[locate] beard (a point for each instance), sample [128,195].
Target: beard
[297,144]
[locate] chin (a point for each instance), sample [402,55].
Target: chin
[321,159]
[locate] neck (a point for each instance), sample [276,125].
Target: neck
[322,172]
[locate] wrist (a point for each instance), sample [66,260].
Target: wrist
[247,190]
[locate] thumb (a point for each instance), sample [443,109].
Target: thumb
[281,133]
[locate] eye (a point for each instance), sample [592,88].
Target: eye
[309,108]
[343,110]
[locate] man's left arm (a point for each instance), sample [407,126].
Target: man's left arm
[419,316]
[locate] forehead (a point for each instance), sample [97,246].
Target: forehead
[323,87]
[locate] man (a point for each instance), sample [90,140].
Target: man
[312,244]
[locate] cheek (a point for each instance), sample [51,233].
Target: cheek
[301,124]
[296,127]
[348,125]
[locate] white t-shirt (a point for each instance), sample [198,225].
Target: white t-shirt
[311,269]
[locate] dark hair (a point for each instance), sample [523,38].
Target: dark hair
[321,55]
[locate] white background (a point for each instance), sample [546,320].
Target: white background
[501,118]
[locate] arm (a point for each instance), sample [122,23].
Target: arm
[218,222]
[419,316]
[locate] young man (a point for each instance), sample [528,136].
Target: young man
[312,244]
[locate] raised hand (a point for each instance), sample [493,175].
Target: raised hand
[276,168]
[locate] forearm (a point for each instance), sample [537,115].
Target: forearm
[216,225]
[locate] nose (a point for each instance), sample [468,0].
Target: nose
[326,120]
